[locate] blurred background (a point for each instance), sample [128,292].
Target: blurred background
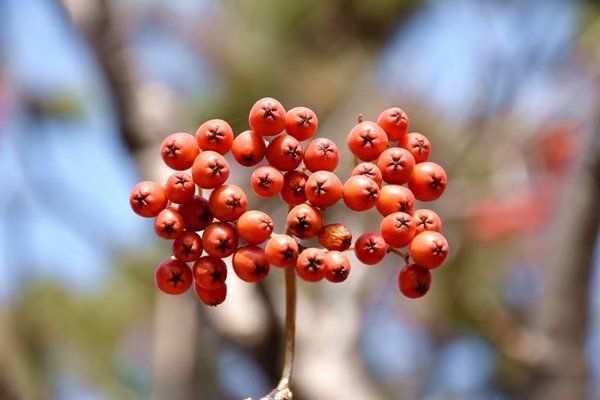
[508,92]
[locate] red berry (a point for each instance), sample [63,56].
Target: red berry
[180,187]
[360,193]
[369,170]
[169,224]
[429,249]
[321,155]
[250,264]
[367,141]
[282,251]
[147,199]
[267,117]
[219,239]
[427,220]
[398,229]
[418,145]
[293,187]
[304,221]
[335,237]
[187,246]
[210,170]
[173,277]
[228,202]
[212,297]
[428,181]
[284,152]
[394,122]
[301,123]
[337,266]
[394,198]
[215,135]
[310,265]
[323,189]
[196,213]
[414,281]
[255,226]
[179,150]
[396,165]
[370,248]
[248,148]
[209,272]
[266,181]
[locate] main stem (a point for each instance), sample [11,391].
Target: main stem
[290,328]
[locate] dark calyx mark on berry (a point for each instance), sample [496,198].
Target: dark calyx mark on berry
[401,222]
[423,221]
[176,278]
[396,163]
[313,264]
[371,246]
[215,135]
[421,288]
[216,275]
[224,245]
[438,249]
[292,152]
[304,120]
[233,201]
[216,168]
[368,138]
[141,199]
[419,146]
[261,269]
[248,158]
[320,188]
[188,248]
[267,224]
[169,227]
[288,253]
[372,193]
[325,149]
[404,206]
[265,181]
[269,111]
[302,223]
[181,179]
[397,116]
[436,182]
[341,272]
[368,171]
[172,149]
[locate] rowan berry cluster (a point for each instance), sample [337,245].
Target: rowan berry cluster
[206,230]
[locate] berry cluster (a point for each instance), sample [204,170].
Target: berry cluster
[303,177]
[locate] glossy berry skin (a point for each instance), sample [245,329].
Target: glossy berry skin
[370,248]
[367,141]
[429,249]
[282,251]
[414,281]
[394,122]
[396,165]
[248,148]
[427,220]
[173,277]
[212,297]
[196,214]
[370,170]
[179,150]
[267,117]
[310,265]
[147,199]
[428,181]
[180,187]
[323,189]
[219,239]
[209,272]
[335,237]
[266,181]
[304,221]
[250,264]
[398,229]
[394,198]
[228,202]
[169,224]
[215,135]
[301,123]
[187,246]
[321,155]
[418,145]
[360,193]
[255,226]
[210,170]
[284,153]
[293,188]
[337,266]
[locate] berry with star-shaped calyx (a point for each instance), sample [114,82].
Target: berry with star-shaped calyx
[248,148]
[427,220]
[370,170]
[169,224]
[370,248]
[210,170]
[396,165]
[215,135]
[337,266]
[304,221]
[429,249]
[398,229]
[428,181]
[310,264]
[219,239]
[414,281]
[323,189]
[367,140]
[360,193]
[282,251]
[418,145]
[293,191]
[267,117]
[250,264]
[321,154]
[255,226]
[394,198]
[209,272]
[227,202]
[147,199]
[173,277]
[394,122]
[266,181]
[180,187]
[284,152]
[179,150]
[187,246]
[301,123]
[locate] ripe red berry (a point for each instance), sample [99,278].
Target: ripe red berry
[429,249]
[248,148]
[301,123]
[209,272]
[321,155]
[219,239]
[323,189]
[196,214]
[212,297]
[228,202]
[180,187]
[394,198]
[310,265]
[370,248]
[360,193]
[173,277]
[255,226]
[282,251]
[418,145]
[367,141]
[398,229]
[179,150]
[293,187]
[215,135]
[414,281]
[266,181]
[187,246]
[210,170]
[304,221]
[250,264]
[337,266]
[396,165]
[284,152]
[335,237]
[369,170]
[428,181]
[427,220]
[169,224]
[394,122]
[147,199]
[267,117]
